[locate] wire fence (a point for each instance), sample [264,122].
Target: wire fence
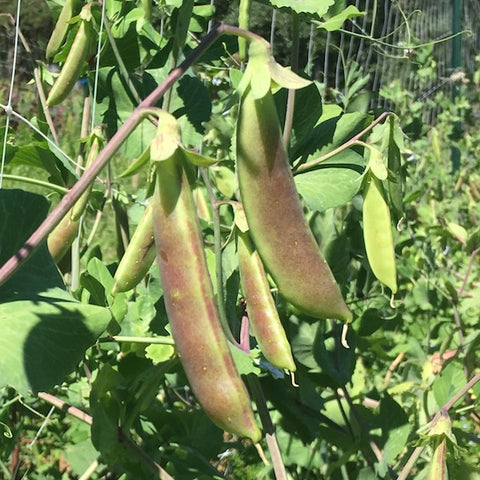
[398,46]
[418,46]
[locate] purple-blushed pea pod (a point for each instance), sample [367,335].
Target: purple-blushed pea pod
[191,306]
[262,313]
[275,215]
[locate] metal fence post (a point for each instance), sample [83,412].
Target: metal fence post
[456,64]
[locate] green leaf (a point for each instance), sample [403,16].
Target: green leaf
[333,184]
[137,164]
[245,362]
[198,159]
[41,155]
[106,410]
[376,164]
[20,214]
[331,131]
[308,110]
[159,353]
[80,453]
[46,341]
[50,331]
[395,431]
[115,105]
[302,344]
[319,7]
[285,77]
[336,22]
[458,232]
[191,104]
[449,382]
[422,295]
[224,180]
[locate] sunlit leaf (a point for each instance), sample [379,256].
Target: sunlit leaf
[336,22]
[319,7]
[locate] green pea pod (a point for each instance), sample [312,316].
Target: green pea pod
[147,8]
[60,29]
[274,212]
[191,306]
[61,237]
[377,232]
[74,63]
[203,207]
[262,313]
[139,255]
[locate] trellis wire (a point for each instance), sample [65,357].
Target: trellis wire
[393,21]
[8,109]
[97,65]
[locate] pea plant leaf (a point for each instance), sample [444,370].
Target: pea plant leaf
[333,184]
[318,7]
[43,341]
[336,22]
[45,332]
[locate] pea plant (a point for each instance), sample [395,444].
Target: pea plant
[216,273]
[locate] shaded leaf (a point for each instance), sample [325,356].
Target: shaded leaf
[334,183]
[46,341]
[319,7]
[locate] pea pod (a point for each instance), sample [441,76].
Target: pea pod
[61,237]
[377,232]
[139,255]
[95,144]
[275,216]
[74,63]
[191,306]
[60,29]
[262,313]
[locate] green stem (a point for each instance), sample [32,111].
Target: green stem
[350,143]
[120,62]
[268,427]
[217,238]
[36,182]
[75,249]
[406,46]
[287,129]
[140,340]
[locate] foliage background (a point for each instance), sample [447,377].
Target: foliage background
[404,363]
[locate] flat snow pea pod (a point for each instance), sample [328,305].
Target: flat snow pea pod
[377,232]
[191,306]
[275,216]
[74,63]
[139,255]
[262,313]
[60,29]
